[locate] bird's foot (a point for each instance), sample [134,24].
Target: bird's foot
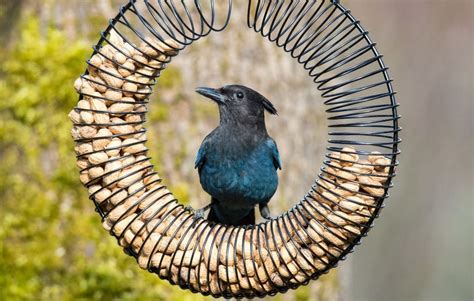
[198,213]
[265,212]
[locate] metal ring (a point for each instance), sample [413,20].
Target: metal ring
[212,259]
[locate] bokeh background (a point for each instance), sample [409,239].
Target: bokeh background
[52,246]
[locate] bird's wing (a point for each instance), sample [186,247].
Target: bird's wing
[274,150]
[201,156]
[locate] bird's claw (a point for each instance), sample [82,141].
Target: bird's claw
[198,213]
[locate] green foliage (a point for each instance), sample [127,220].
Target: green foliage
[53,246]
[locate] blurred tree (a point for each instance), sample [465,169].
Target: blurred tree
[52,244]
[53,247]
[9,13]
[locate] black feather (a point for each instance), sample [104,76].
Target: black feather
[269,106]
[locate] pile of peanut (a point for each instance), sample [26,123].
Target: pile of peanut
[165,238]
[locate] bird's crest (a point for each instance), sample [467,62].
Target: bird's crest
[269,106]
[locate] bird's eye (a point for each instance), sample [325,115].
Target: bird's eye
[240,95]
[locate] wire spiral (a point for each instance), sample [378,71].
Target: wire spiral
[213,259]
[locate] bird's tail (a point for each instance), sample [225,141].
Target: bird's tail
[249,219]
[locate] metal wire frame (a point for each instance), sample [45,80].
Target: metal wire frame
[346,67]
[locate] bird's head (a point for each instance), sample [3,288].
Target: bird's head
[238,103]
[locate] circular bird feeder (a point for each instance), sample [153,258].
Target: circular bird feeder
[214,259]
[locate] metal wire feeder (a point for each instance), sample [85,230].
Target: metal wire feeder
[342,60]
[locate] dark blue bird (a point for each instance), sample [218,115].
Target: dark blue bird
[238,161]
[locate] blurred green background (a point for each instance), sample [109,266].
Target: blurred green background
[52,246]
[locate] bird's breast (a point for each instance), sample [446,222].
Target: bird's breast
[237,178]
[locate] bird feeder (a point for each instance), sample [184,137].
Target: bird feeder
[250,261]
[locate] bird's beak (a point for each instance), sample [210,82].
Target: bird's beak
[211,93]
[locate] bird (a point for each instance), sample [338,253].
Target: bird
[238,161]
